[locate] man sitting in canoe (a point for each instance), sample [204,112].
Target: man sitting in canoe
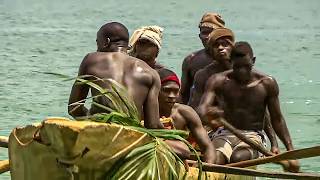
[180,116]
[145,44]
[243,95]
[111,62]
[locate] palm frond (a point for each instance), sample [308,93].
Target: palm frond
[154,160]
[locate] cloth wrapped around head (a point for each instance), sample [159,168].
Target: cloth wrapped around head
[218,33]
[211,20]
[151,33]
[168,75]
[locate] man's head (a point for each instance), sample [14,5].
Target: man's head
[112,37]
[208,23]
[170,86]
[220,43]
[146,42]
[243,60]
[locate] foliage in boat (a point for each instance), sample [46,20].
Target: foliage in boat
[155,160]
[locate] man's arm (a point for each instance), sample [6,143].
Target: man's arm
[197,90]
[271,134]
[151,104]
[278,122]
[186,81]
[78,93]
[199,133]
[206,108]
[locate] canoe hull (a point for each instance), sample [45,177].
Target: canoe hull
[83,150]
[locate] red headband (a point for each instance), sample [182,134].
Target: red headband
[171,78]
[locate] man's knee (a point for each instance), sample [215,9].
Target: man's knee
[220,158]
[240,155]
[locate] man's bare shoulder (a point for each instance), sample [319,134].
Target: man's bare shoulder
[185,110]
[219,77]
[266,79]
[193,55]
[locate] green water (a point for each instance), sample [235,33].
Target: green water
[54,36]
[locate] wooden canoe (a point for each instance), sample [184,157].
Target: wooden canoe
[77,150]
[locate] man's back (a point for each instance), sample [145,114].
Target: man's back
[129,72]
[141,82]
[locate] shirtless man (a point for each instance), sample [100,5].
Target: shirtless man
[145,45]
[245,95]
[183,116]
[111,62]
[219,44]
[199,59]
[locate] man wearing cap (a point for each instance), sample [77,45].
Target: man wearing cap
[111,62]
[243,95]
[199,59]
[219,45]
[145,44]
[182,117]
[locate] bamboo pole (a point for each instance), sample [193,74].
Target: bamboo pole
[294,154]
[4,166]
[250,172]
[4,141]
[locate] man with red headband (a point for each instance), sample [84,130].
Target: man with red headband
[182,117]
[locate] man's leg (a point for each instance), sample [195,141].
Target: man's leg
[223,150]
[242,154]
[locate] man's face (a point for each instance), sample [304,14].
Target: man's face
[146,50]
[221,49]
[242,67]
[169,93]
[204,34]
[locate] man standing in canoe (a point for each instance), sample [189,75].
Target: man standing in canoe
[199,59]
[111,62]
[145,44]
[243,95]
[182,117]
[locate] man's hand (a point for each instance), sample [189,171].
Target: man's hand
[275,150]
[214,113]
[213,116]
[294,166]
[291,166]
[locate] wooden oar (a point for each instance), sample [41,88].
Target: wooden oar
[4,166]
[295,154]
[250,172]
[4,141]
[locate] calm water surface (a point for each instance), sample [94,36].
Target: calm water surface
[54,36]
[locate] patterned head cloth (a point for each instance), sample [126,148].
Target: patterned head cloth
[211,20]
[151,33]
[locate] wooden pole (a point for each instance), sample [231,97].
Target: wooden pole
[4,166]
[294,154]
[256,173]
[4,141]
